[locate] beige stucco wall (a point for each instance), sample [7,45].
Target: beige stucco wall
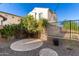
[52,16]
[42,11]
[45,13]
[1,20]
[11,19]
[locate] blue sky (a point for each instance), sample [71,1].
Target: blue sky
[64,11]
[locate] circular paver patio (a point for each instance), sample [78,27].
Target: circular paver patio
[48,52]
[26,44]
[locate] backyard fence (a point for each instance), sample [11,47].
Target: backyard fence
[69,29]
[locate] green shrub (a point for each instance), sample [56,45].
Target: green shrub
[33,25]
[28,24]
[7,31]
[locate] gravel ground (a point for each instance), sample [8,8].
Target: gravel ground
[62,50]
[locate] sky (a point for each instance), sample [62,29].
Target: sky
[64,11]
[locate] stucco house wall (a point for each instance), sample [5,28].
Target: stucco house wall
[39,13]
[11,19]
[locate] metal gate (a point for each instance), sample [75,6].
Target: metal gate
[69,29]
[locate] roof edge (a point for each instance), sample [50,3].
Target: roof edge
[9,13]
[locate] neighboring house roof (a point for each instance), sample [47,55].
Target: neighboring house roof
[9,13]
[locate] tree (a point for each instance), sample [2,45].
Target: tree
[10,30]
[32,25]
[29,23]
[7,31]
